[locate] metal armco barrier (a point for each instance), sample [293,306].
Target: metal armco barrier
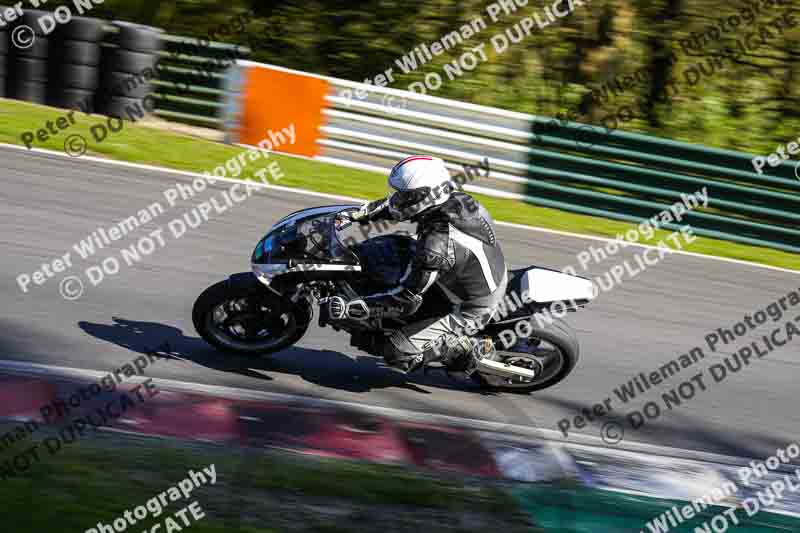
[564,165]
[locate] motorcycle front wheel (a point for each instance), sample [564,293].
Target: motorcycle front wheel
[246,320]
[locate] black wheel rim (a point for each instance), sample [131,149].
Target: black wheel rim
[249,324]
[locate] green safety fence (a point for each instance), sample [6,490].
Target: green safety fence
[629,176]
[575,167]
[190,87]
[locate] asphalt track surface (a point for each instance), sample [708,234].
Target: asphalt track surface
[48,203]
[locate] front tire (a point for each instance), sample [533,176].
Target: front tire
[555,358]
[247,320]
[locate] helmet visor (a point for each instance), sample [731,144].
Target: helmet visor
[403,200]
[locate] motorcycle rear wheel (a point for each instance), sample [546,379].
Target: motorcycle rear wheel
[552,359]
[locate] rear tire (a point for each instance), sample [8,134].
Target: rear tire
[563,338]
[262,310]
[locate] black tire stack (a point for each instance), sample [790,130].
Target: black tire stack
[4,46]
[75,65]
[128,67]
[27,70]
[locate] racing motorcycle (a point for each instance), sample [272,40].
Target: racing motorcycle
[303,261]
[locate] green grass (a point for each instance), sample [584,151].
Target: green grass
[97,479]
[142,144]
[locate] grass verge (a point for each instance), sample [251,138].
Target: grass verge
[139,143]
[97,479]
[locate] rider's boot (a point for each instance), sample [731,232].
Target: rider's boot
[457,353]
[470,349]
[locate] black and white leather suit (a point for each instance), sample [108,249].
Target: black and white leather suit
[458,249]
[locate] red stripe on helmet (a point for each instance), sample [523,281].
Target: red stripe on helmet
[410,159]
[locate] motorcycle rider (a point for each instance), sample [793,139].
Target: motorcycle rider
[456,247]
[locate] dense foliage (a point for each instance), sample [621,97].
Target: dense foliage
[744,98]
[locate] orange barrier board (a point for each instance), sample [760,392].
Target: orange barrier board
[275,99]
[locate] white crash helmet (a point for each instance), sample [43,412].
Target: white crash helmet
[420,183]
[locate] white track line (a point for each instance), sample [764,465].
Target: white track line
[306,192]
[512,430]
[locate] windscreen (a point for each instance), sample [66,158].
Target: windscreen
[306,240]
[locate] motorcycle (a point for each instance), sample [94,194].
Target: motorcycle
[303,261]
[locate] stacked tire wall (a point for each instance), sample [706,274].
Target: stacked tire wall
[4,47]
[28,69]
[75,64]
[129,64]
[81,64]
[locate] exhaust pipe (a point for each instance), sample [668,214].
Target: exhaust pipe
[503,370]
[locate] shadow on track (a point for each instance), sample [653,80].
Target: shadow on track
[325,368]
